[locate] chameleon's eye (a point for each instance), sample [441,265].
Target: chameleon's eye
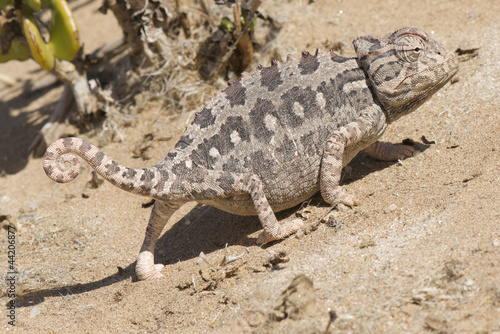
[410,48]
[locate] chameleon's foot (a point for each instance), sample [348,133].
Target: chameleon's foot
[339,195]
[280,231]
[346,199]
[389,152]
[145,268]
[401,152]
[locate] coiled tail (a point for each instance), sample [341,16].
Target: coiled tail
[61,165]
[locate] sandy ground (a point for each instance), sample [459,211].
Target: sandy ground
[420,254]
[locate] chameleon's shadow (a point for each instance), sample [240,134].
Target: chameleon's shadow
[203,229]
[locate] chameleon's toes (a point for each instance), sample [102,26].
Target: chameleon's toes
[146,269]
[347,199]
[280,232]
[264,238]
[339,195]
[158,269]
[151,274]
[403,151]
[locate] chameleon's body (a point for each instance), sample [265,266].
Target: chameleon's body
[279,135]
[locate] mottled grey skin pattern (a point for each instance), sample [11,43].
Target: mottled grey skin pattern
[277,136]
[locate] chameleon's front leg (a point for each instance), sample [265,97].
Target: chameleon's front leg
[331,171]
[369,126]
[225,184]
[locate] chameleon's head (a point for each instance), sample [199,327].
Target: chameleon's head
[405,69]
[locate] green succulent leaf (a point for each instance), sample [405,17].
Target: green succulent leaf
[64,36]
[227,24]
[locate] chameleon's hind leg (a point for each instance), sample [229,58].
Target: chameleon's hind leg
[146,267]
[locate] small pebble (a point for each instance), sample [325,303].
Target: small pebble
[469,282]
[34,312]
[391,208]
[300,233]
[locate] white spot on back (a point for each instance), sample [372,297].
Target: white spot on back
[320,99]
[356,85]
[214,153]
[298,109]
[235,137]
[271,122]
[189,164]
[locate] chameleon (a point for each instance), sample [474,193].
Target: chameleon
[277,136]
